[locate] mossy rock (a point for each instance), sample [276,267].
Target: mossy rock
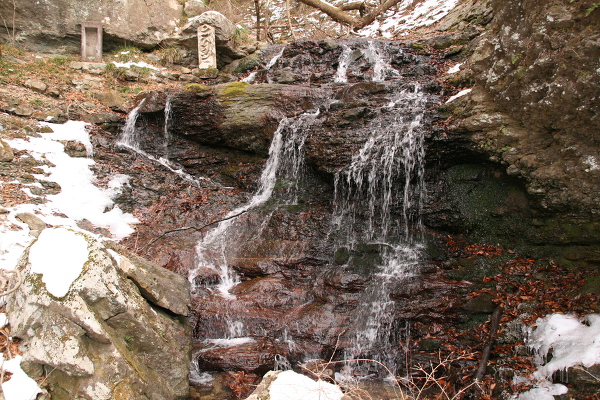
[234,89]
[196,88]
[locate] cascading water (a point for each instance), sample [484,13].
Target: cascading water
[374,217]
[284,162]
[386,172]
[130,138]
[168,117]
[343,62]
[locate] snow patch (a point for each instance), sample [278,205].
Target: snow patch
[571,343]
[79,198]
[544,391]
[592,163]
[20,386]
[454,69]
[290,385]
[3,320]
[405,19]
[58,255]
[140,64]
[459,94]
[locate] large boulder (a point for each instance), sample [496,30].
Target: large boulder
[230,43]
[100,323]
[54,26]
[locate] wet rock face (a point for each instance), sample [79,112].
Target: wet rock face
[533,113]
[309,62]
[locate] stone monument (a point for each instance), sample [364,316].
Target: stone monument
[207,54]
[91,41]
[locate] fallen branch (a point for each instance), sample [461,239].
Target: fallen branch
[6,280]
[194,228]
[485,357]
[340,15]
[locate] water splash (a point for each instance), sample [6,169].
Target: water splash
[343,62]
[167,124]
[250,78]
[129,136]
[381,66]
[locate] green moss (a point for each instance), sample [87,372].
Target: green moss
[230,170]
[294,208]
[196,88]
[341,256]
[234,89]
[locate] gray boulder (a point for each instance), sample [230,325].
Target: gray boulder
[194,7]
[120,331]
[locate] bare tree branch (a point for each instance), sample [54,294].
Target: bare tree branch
[257,9]
[335,13]
[340,15]
[372,16]
[187,228]
[289,18]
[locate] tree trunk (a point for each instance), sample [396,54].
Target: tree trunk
[257,10]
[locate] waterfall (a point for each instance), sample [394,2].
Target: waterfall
[250,78]
[130,139]
[284,162]
[381,68]
[387,171]
[168,117]
[375,210]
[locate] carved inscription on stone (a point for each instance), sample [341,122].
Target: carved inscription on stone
[207,56]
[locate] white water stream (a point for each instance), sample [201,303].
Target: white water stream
[285,150]
[130,139]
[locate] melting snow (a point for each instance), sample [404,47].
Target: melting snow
[454,69]
[79,198]
[459,94]
[140,64]
[425,13]
[20,386]
[290,385]
[571,342]
[58,255]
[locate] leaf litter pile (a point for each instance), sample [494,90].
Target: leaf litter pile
[524,289]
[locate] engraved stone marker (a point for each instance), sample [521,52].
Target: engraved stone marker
[207,54]
[91,41]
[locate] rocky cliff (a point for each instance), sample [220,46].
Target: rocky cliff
[534,110]
[55,26]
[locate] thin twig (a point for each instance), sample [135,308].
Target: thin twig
[187,228]
[5,281]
